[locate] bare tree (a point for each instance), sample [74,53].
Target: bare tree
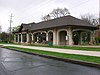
[90,19]
[46,17]
[56,13]
[59,12]
[65,12]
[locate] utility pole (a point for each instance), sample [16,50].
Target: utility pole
[10,21]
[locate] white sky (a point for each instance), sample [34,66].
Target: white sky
[26,11]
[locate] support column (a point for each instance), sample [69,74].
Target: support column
[37,38]
[15,38]
[27,38]
[55,37]
[18,38]
[70,40]
[21,38]
[80,38]
[47,36]
[58,42]
[91,37]
[32,37]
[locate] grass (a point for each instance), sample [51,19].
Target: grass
[10,43]
[62,55]
[6,43]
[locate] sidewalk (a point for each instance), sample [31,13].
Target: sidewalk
[68,51]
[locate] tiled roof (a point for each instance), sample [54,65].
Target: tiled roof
[62,21]
[58,22]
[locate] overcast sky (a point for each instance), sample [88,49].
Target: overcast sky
[27,11]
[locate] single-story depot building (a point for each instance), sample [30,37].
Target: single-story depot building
[66,30]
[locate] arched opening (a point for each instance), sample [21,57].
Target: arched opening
[81,37]
[24,38]
[16,38]
[62,38]
[40,37]
[19,38]
[50,36]
[86,38]
[76,37]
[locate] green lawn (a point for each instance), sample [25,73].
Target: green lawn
[6,43]
[62,55]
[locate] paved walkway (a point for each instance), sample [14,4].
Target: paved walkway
[68,51]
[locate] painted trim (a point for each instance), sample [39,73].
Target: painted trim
[81,29]
[39,31]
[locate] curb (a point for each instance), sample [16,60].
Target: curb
[90,64]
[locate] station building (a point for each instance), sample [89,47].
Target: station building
[66,30]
